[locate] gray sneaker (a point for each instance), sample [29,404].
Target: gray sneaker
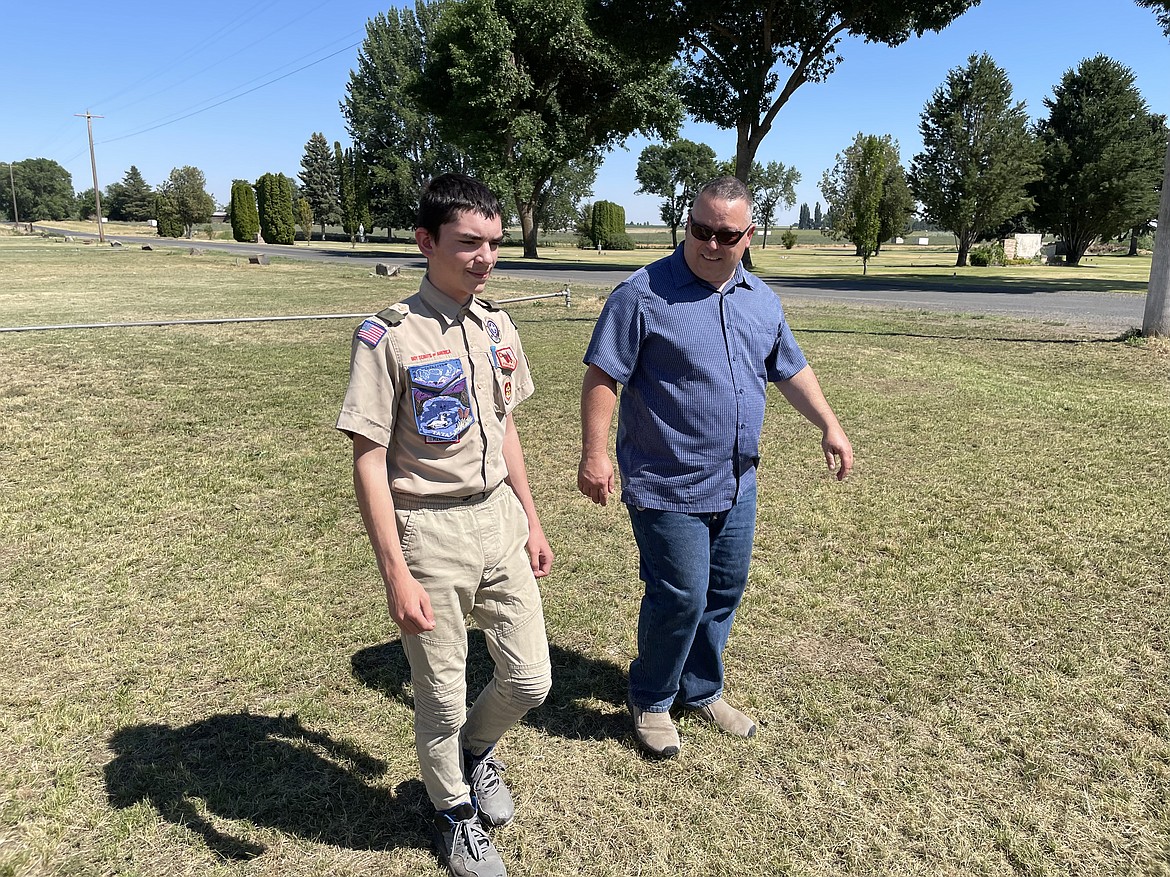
[489,793]
[464,845]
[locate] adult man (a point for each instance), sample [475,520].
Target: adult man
[694,339]
[442,487]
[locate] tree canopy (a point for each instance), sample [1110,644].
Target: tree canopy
[524,87]
[674,172]
[183,195]
[772,185]
[1102,156]
[741,66]
[397,139]
[245,219]
[978,155]
[848,186]
[44,190]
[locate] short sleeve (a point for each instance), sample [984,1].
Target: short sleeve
[617,337]
[786,359]
[522,384]
[371,400]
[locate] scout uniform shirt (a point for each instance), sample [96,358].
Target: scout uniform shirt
[433,382]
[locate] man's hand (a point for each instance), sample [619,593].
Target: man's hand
[595,477]
[410,606]
[838,452]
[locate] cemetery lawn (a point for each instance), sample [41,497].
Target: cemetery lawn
[958,658]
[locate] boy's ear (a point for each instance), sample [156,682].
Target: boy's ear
[426,243]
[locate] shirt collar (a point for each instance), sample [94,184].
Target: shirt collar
[683,274]
[446,308]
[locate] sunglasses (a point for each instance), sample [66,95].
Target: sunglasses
[726,237]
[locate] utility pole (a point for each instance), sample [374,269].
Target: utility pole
[97,192]
[12,188]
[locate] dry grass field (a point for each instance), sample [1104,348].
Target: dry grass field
[959,658]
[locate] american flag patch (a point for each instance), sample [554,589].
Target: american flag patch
[370,333]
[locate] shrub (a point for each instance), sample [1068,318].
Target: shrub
[274,201]
[242,212]
[988,254]
[620,241]
[170,225]
[609,224]
[788,239]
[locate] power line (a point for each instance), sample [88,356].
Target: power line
[230,99]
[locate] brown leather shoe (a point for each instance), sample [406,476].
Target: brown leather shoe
[727,718]
[656,732]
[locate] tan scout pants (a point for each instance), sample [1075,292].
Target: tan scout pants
[471,559]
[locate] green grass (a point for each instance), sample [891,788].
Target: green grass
[958,657]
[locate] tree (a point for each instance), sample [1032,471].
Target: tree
[305,218]
[166,214]
[319,183]
[674,172]
[840,185]
[559,206]
[86,204]
[866,198]
[347,192]
[609,226]
[131,199]
[524,87]
[771,185]
[395,137]
[978,156]
[733,62]
[44,190]
[242,213]
[805,220]
[1161,10]
[818,217]
[274,203]
[1102,158]
[184,194]
[1156,320]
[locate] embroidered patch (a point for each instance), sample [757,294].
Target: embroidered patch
[493,331]
[505,358]
[508,392]
[371,332]
[442,405]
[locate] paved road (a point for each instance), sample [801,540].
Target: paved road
[1056,300]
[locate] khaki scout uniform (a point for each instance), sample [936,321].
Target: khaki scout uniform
[433,381]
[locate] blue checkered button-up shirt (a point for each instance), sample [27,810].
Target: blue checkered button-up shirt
[694,364]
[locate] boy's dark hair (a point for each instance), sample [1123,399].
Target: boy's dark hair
[450,194]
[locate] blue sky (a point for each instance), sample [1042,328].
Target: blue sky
[236,89]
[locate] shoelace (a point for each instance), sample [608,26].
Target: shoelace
[469,835]
[487,774]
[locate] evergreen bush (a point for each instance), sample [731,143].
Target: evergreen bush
[170,224]
[609,226]
[242,212]
[788,239]
[274,201]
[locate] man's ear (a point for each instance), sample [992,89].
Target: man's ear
[426,243]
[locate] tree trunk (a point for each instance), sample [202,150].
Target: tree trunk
[1133,238]
[674,235]
[527,213]
[1156,319]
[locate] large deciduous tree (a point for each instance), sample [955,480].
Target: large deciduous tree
[674,172]
[772,185]
[44,190]
[743,64]
[319,184]
[525,87]
[184,197]
[1161,10]
[978,156]
[397,139]
[1102,158]
[131,199]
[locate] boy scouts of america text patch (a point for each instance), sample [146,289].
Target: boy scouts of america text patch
[441,403]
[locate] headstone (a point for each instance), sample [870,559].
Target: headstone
[1027,246]
[147,247]
[1009,248]
[922,242]
[384,270]
[259,259]
[68,238]
[194,251]
[115,243]
[899,240]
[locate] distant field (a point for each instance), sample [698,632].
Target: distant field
[958,658]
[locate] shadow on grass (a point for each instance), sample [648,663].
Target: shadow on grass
[1066,282]
[270,771]
[576,680]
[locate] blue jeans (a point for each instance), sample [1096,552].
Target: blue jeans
[695,568]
